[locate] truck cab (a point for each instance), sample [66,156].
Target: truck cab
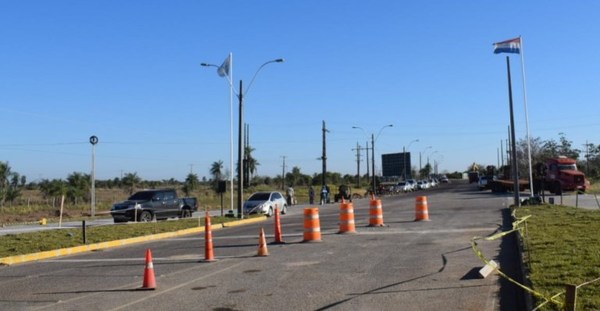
[562,174]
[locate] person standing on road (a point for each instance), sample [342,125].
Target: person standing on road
[311,195]
[290,195]
[324,194]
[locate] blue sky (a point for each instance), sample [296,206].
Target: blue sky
[129,72]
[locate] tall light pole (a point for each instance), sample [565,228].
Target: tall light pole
[431,154]
[240,96]
[93,141]
[373,140]
[420,167]
[404,153]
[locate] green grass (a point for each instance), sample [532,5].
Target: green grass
[27,243]
[561,245]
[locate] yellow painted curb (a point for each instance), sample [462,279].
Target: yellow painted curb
[103,245]
[244,222]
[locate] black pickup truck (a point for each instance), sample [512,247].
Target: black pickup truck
[155,204]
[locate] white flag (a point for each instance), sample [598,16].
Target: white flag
[225,67]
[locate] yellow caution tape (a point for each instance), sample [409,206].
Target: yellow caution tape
[516,226]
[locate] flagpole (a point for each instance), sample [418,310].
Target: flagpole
[231,129]
[522,52]
[513,150]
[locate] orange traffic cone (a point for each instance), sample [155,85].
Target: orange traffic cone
[149,280]
[347,217]
[375,213]
[262,244]
[421,210]
[208,242]
[278,234]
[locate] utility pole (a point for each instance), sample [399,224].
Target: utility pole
[373,162]
[283,174]
[357,165]
[368,174]
[324,156]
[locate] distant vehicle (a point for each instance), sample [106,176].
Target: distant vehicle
[154,204]
[413,184]
[444,179]
[473,177]
[265,203]
[404,186]
[483,183]
[343,192]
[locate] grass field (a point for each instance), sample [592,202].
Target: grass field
[27,243]
[561,247]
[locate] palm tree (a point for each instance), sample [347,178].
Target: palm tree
[251,163]
[216,170]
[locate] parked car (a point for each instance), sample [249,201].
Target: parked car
[404,187]
[422,184]
[154,204]
[413,184]
[265,203]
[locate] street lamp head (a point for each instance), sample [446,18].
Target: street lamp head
[280,60]
[208,65]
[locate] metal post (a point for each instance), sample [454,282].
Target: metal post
[368,170]
[513,156]
[373,161]
[83,232]
[93,141]
[357,165]
[240,190]
[571,298]
[404,163]
[324,156]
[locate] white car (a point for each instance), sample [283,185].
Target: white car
[404,187]
[265,203]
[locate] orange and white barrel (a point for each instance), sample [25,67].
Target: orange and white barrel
[312,225]
[375,213]
[347,218]
[421,210]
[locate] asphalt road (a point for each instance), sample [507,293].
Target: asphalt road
[405,265]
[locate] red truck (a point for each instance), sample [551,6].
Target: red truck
[561,174]
[556,175]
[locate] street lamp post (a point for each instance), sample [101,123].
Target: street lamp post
[420,167]
[373,140]
[240,96]
[429,155]
[404,153]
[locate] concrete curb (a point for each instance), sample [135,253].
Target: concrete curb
[103,245]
